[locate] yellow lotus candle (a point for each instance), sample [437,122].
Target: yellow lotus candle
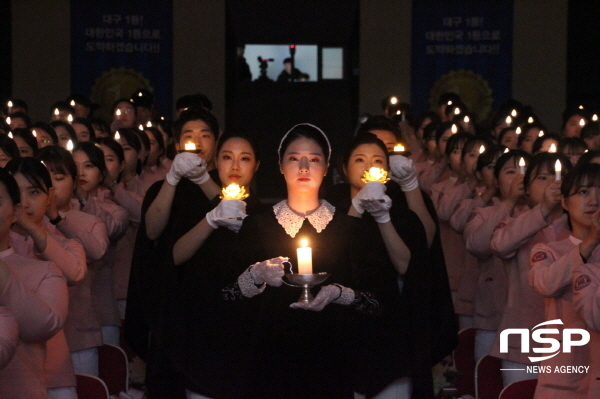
[375,174]
[304,257]
[234,192]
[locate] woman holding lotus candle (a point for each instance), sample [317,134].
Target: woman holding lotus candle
[302,349]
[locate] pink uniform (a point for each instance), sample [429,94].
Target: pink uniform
[512,242]
[586,302]
[156,173]
[430,174]
[551,275]
[36,294]
[9,336]
[69,257]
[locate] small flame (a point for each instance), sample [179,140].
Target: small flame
[552,148]
[513,113]
[72,103]
[149,124]
[456,111]
[56,111]
[454,129]
[117,135]
[530,119]
[375,174]
[70,118]
[34,133]
[582,122]
[162,118]
[482,149]
[398,112]
[508,120]
[522,161]
[70,145]
[467,120]
[190,146]
[581,107]
[304,243]
[505,150]
[10,104]
[393,100]
[398,148]
[234,192]
[141,127]
[140,94]
[595,118]
[558,166]
[10,135]
[518,131]
[449,102]
[541,133]
[8,120]
[118,112]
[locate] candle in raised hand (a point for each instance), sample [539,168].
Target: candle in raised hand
[189,146]
[375,174]
[558,170]
[234,192]
[522,166]
[70,145]
[398,148]
[304,258]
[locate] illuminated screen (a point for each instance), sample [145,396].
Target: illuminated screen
[306,59]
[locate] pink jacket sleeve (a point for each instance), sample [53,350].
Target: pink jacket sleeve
[92,236]
[68,255]
[450,201]
[478,232]
[586,295]
[550,276]
[131,201]
[429,177]
[461,216]
[512,233]
[9,336]
[42,312]
[115,217]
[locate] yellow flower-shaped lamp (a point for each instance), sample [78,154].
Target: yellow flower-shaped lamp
[375,174]
[234,192]
[399,148]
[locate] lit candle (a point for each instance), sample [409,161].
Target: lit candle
[141,127]
[189,147]
[8,120]
[449,102]
[70,145]
[582,122]
[72,103]
[234,192]
[467,120]
[375,174]
[508,120]
[513,113]
[482,149]
[162,118]
[530,119]
[454,129]
[10,135]
[595,117]
[304,258]
[552,148]
[118,113]
[541,133]
[117,136]
[457,111]
[398,148]
[10,105]
[558,169]
[149,124]
[70,118]
[34,133]
[522,166]
[140,94]
[393,100]
[56,113]
[581,107]
[506,150]
[518,131]
[398,112]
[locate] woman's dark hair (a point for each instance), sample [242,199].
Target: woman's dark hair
[549,160]
[21,115]
[455,141]
[11,186]
[434,117]
[196,114]
[448,96]
[504,131]
[306,131]
[27,136]
[526,128]
[9,147]
[580,174]
[33,170]
[507,156]
[539,142]
[451,110]
[430,131]
[158,137]
[365,138]
[379,122]
[134,140]
[445,126]
[85,122]
[490,154]
[100,124]
[62,106]
[587,157]
[573,111]
[48,129]
[223,139]
[475,142]
[67,127]
[95,155]
[571,143]
[113,145]
[167,127]
[58,160]
[123,100]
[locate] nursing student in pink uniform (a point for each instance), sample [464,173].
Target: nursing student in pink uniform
[122,160]
[452,242]
[82,328]
[9,336]
[491,289]
[512,241]
[35,292]
[586,271]
[95,199]
[551,275]
[157,165]
[466,187]
[439,171]
[36,236]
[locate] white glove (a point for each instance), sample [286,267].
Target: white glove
[229,213]
[269,271]
[371,190]
[379,210]
[182,165]
[198,174]
[404,172]
[330,293]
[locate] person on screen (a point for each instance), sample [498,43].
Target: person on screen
[289,74]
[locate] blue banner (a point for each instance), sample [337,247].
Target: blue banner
[462,46]
[118,47]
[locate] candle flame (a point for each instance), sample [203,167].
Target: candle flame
[557,166]
[234,192]
[149,124]
[541,133]
[393,100]
[70,118]
[508,120]
[467,120]
[141,127]
[140,94]
[482,149]
[72,103]
[190,146]
[552,148]
[522,161]
[375,174]
[70,145]
[10,104]
[581,107]
[398,148]
[518,131]
[10,135]
[118,112]
[117,135]
[582,122]
[454,129]
[398,112]
[449,102]
[8,120]
[513,113]
[505,150]
[530,119]
[456,111]
[56,111]
[34,133]
[304,243]
[162,118]
[595,118]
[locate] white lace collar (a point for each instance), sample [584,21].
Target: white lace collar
[292,221]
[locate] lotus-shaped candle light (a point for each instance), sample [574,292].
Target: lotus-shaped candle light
[234,192]
[375,174]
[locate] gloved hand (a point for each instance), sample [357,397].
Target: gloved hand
[183,164]
[371,190]
[229,213]
[269,271]
[379,210]
[326,295]
[403,172]
[198,174]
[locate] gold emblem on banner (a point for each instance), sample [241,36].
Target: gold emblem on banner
[115,84]
[472,88]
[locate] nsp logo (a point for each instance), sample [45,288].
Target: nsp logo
[537,335]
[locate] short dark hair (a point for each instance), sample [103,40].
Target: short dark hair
[306,131]
[507,156]
[195,114]
[95,155]
[198,100]
[539,142]
[21,115]
[58,160]
[27,136]
[11,186]
[85,122]
[548,159]
[48,129]
[379,122]
[34,171]
[591,129]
